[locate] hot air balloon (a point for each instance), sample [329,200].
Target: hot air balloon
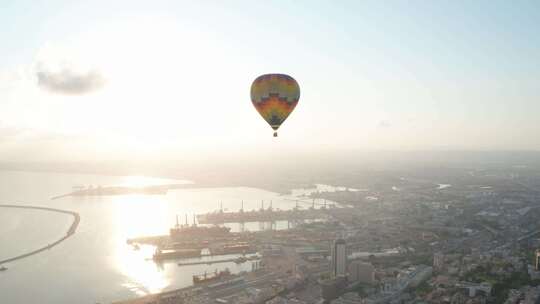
[275,96]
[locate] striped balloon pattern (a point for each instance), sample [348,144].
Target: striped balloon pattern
[275,96]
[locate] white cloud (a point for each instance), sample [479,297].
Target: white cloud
[69,81]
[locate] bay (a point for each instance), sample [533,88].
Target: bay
[96,265]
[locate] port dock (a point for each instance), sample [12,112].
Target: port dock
[266,215]
[71,230]
[210,262]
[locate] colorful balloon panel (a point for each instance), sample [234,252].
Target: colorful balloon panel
[275,96]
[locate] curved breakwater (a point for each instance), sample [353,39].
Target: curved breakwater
[71,230]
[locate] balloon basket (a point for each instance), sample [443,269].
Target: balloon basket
[275,134]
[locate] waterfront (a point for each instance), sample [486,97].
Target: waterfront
[96,264]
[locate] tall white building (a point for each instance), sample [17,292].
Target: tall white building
[339,258]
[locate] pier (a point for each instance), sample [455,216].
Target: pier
[71,230]
[210,262]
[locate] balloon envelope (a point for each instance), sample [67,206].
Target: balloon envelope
[275,96]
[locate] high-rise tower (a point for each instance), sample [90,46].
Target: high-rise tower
[339,258]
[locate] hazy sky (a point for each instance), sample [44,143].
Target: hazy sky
[97,80]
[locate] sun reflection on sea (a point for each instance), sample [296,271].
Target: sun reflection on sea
[143,276]
[139,215]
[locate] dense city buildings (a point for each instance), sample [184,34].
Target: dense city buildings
[438,261]
[403,241]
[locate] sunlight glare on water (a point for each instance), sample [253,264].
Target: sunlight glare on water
[98,255]
[139,215]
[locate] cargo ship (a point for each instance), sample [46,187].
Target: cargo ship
[209,277]
[188,245]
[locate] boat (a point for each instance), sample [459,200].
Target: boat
[209,277]
[188,244]
[3,268]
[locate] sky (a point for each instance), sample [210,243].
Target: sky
[105,80]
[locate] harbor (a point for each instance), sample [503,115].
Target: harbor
[269,214]
[196,241]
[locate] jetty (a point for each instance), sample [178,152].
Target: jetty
[210,262]
[71,230]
